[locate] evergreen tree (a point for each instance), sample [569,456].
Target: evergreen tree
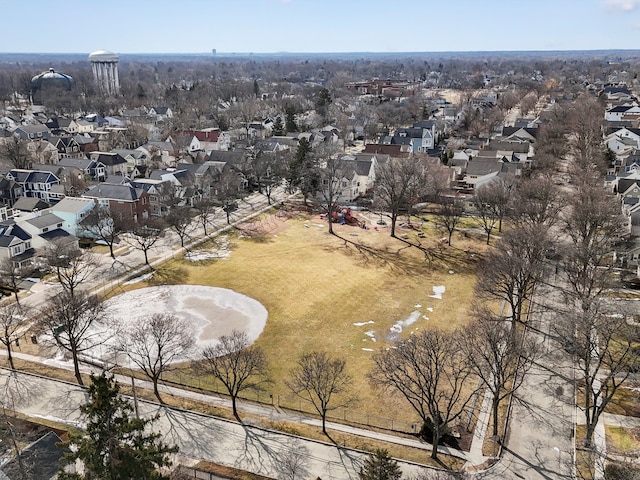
[114,446]
[278,127]
[380,466]
[303,171]
[290,119]
[256,88]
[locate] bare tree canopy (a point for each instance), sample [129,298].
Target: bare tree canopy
[76,322]
[100,224]
[514,267]
[323,381]
[15,152]
[495,358]
[237,364]
[14,321]
[431,372]
[145,235]
[72,265]
[605,345]
[155,343]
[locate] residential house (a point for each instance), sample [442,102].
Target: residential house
[398,151]
[90,169]
[37,183]
[183,182]
[621,113]
[10,191]
[40,459]
[33,132]
[210,139]
[124,200]
[67,147]
[72,210]
[160,114]
[158,190]
[30,204]
[161,154]
[15,243]
[134,158]
[113,163]
[42,151]
[44,228]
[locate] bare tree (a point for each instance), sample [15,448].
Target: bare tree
[400,183]
[155,343]
[335,177]
[11,275]
[179,219]
[323,381]
[536,201]
[449,216]
[269,170]
[485,213]
[14,150]
[592,223]
[72,265]
[237,364]
[227,191]
[204,212]
[77,322]
[430,371]
[100,224]
[513,269]
[13,320]
[145,235]
[499,362]
[606,349]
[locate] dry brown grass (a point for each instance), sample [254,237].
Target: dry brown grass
[623,441]
[315,286]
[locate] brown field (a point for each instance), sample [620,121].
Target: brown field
[315,286]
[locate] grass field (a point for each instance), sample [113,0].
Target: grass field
[316,286]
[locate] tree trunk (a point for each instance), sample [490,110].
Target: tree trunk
[330,224]
[146,258]
[488,236]
[449,239]
[394,217]
[156,392]
[324,423]
[9,355]
[15,294]
[111,250]
[76,367]
[494,407]
[235,408]
[435,433]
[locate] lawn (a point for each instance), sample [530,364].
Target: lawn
[316,287]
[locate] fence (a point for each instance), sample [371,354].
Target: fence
[294,404]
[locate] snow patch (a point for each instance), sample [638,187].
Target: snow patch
[360,324]
[139,279]
[367,349]
[402,324]
[437,292]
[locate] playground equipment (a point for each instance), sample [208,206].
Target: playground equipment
[343,215]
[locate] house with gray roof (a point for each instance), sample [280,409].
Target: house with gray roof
[37,183]
[15,243]
[72,210]
[129,203]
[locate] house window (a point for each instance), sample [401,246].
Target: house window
[27,245]
[59,225]
[45,229]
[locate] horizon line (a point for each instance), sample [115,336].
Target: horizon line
[372,52]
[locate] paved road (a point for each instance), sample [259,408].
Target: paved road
[539,442]
[199,437]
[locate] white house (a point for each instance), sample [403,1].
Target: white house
[72,210]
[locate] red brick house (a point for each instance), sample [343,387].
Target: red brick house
[124,201]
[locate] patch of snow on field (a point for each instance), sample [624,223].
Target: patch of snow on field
[368,349]
[139,279]
[437,292]
[429,309]
[402,324]
[371,334]
[210,312]
[360,324]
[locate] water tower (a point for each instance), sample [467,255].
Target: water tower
[105,71]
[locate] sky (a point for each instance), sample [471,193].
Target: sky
[269,26]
